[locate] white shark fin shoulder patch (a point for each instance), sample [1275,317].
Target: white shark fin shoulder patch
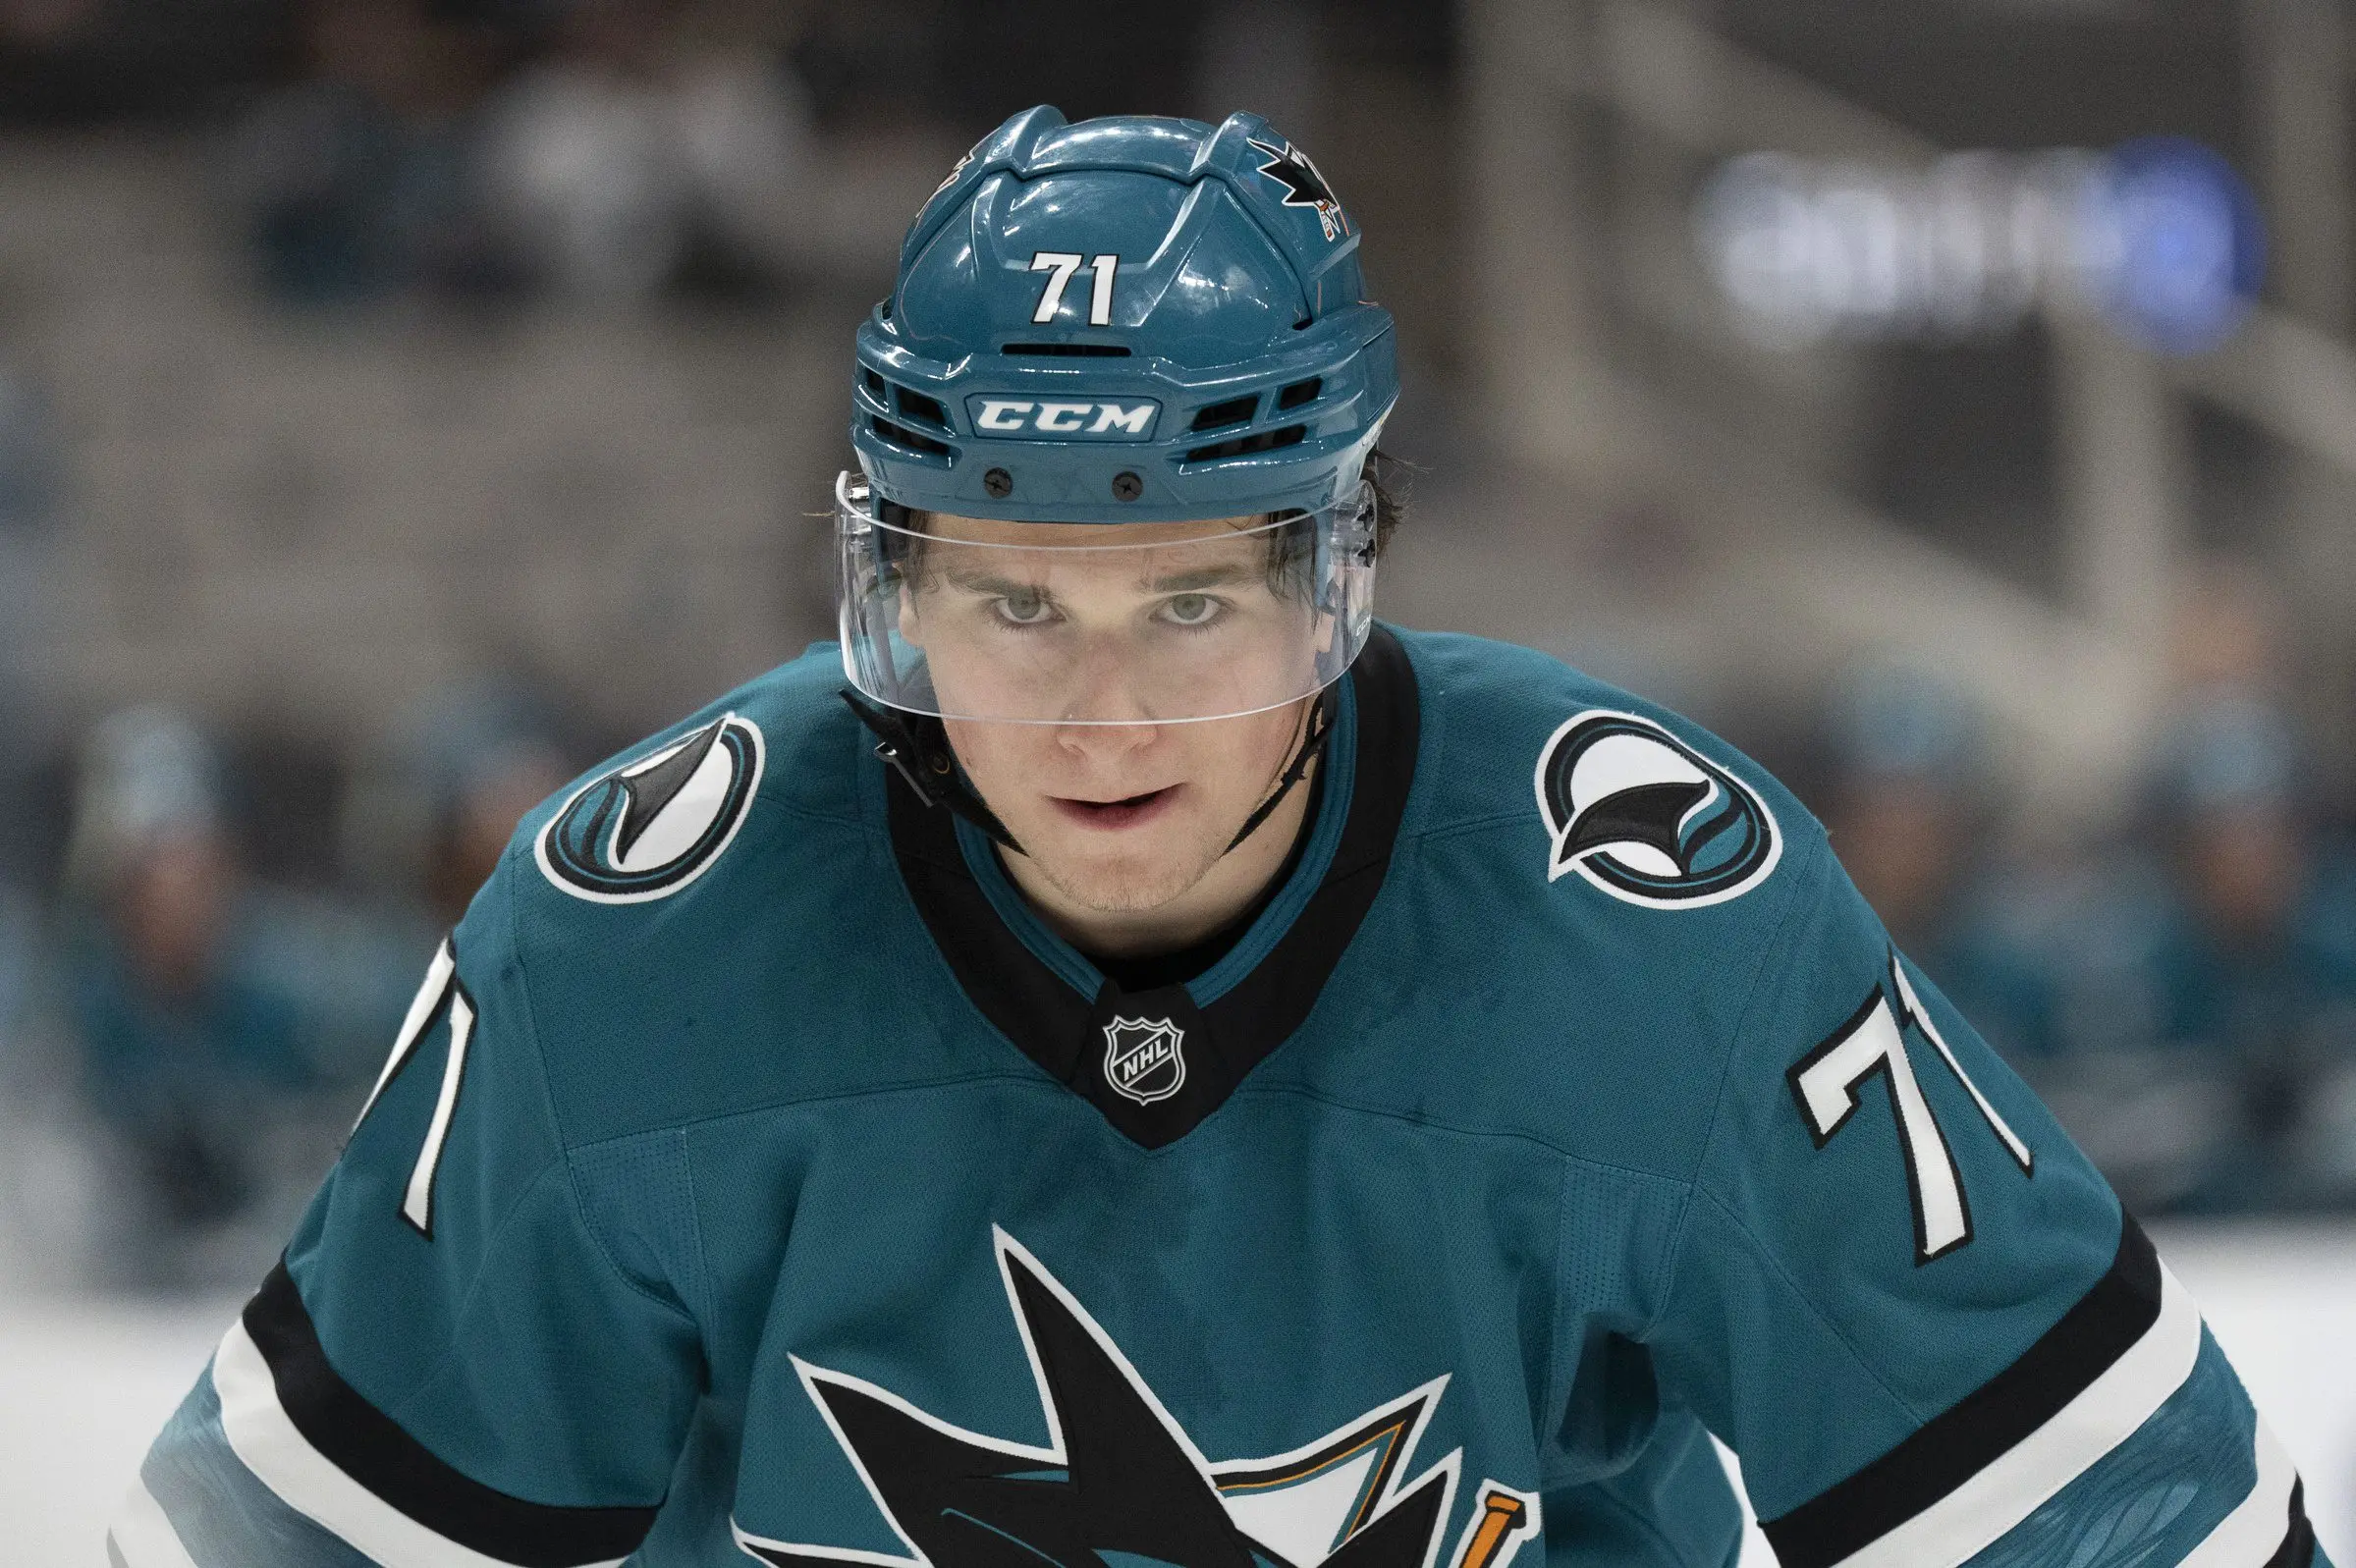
[1648,819]
[650,827]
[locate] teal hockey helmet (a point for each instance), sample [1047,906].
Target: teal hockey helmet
[1128,320]
[1122,358]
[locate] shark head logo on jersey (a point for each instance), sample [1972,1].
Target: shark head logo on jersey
[650,827]
[1648,819]
[1119,1480]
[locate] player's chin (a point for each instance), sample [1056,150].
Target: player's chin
[1142,872]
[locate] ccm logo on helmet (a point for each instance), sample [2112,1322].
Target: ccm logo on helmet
[1063,421]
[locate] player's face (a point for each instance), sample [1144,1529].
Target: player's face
[1123,819]
[1114,627]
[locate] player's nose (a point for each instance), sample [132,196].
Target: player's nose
[1101,744]
[1108,683]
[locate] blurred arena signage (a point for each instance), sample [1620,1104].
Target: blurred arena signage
[2158,235]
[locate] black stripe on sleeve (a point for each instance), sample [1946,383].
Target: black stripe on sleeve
[367,1446]
[2298,1542]
[1950,1448]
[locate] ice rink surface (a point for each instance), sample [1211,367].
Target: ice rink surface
[84,1384]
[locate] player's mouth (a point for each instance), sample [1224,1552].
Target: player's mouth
[1112,816]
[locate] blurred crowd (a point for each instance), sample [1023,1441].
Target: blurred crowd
[2182,992]
[599,149]
[182,1038]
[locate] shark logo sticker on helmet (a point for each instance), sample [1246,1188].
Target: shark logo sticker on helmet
[1648,819]
[1304,187]
[650,827]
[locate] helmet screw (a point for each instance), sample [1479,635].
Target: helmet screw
[997,484]
[938,762]
[1126,486]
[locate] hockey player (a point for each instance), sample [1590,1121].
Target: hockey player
[1222,1083]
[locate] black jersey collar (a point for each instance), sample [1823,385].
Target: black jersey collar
[1157,1063]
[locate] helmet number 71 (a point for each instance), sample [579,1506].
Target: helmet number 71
[1060,265]
[1828,1084]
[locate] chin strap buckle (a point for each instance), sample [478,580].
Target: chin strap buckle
[926,765]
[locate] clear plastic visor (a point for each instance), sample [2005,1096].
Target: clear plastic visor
[1118,624]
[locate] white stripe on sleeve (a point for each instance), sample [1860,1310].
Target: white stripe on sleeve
[2012,1486]
[310,1483]
[2251,1534]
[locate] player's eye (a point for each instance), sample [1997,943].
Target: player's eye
[1029,609]
[1192,610]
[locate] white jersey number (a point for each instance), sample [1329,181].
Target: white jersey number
[1060,265]
[1828,1081]
[441,992]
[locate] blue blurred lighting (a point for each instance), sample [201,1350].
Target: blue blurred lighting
[2174,246]
[2159,238]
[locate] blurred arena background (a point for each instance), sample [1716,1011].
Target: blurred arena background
[403,402]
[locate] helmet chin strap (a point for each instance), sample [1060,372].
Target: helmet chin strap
[1312,746]
[917,749]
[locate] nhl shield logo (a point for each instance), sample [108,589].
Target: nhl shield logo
[1145,1059]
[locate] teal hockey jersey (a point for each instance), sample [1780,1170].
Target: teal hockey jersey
[755,1177]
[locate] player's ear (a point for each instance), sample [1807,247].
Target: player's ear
[1390,477]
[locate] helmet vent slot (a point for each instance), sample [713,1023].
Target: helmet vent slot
[1298,393]
[916,405]
[1219,415]
[915,441]
[1074,350]
[875,384]
[1246,445]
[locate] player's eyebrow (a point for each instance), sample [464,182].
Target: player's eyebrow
[1201,577]
[990,585]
